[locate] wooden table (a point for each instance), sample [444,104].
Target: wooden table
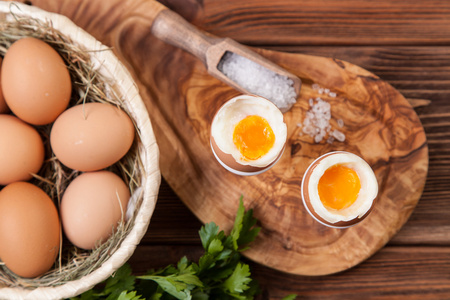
[407,44]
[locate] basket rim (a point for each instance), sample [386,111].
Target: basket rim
[111,67]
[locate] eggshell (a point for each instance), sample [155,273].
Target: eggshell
[91,136]
[21,150]
[36,83]
[92,206]
[29,229]
[3,107]
[229,162]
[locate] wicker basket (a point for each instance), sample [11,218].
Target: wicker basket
[109,67]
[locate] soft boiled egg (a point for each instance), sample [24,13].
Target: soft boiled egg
[339,189]
[248,135]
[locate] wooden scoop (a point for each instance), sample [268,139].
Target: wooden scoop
[171,28]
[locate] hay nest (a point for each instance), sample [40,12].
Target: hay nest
[89,73]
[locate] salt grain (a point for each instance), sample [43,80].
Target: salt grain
[338,135]
[258,80]
[318,138]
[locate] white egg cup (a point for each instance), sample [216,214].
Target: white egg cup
[227,160]
[308,206]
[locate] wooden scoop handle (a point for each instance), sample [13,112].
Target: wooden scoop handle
[173,29]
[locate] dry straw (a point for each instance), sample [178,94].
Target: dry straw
[88,86]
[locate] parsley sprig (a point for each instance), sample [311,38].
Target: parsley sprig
[219,274]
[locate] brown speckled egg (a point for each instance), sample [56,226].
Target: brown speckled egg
[91,136]
[29,229]
[36,83]
[21,150]
[3,107]
[92,206]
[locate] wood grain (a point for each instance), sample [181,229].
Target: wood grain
[423,75]
[330,22]
[380,126]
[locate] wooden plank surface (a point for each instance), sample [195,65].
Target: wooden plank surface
[381,127]
[331,22]
[415,264]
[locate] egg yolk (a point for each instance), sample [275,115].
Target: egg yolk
[339,187]
[253,136]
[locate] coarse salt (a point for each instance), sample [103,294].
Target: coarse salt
[338,135]
[321,90]
[258,80]
[317,120]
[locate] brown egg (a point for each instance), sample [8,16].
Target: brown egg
[91,136]
[3,107]
[92,206]
[29,229]
[21,150]
[36,82]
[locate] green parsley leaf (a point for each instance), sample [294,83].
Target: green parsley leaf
[206,262]
[171,285]
[215,247]
[190,279]
[129,296]
[248,231]
[208,233]
[199,295]
[183,266]
[122,280]
[225,254]
[236,231]
[237,282]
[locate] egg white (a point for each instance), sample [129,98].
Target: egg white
[368,192]
[233,112]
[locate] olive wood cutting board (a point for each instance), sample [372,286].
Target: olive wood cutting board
[379,124]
